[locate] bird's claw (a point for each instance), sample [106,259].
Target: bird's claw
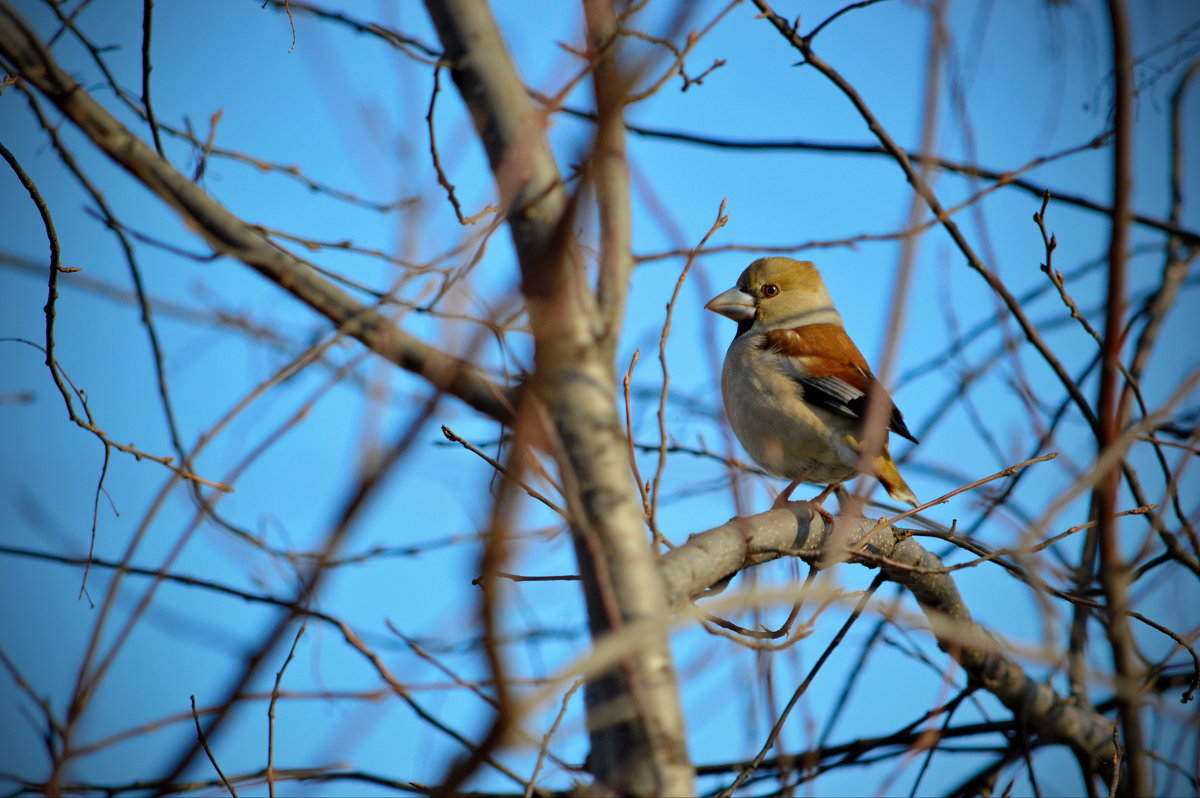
[826,516]
[781,501]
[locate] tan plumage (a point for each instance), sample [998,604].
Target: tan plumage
[795,386]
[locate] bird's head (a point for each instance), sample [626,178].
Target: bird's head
[778,292]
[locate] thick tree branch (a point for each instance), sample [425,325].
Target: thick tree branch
[29,59]
[634,715]
[610,167]
[798,530]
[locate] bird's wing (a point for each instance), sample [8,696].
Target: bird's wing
[830,370]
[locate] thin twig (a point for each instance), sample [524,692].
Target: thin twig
[271,712]
[454,437]
[208,751]
[544,746]
[443,181]
[775,729]
[643,487]
[147,16]
[655,493]
[1007,472]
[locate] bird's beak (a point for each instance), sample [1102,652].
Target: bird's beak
[734,303]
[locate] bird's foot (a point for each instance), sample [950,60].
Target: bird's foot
[783,499]
[823,495]
[785,495]
[826,516]
[820,498]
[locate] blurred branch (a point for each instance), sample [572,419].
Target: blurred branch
[1114,571]
[635,719]
[922,188]
[610,168]
[573,233]
[318,775]
[28,58]
[1174,273]
[362,492]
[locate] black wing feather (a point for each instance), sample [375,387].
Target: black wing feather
[838,396]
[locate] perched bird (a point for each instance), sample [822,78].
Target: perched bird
[796,388]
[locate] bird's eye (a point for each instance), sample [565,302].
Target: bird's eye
[770,289]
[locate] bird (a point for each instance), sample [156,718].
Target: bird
[795,387]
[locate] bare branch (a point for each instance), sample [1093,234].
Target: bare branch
[224,232]
[1114,570]
[638,743]
[797,529]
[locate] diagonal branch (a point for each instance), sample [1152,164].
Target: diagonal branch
[797,529]
[922,188]
[27,57]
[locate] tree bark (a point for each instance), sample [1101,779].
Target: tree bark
[798,530]
[635,719]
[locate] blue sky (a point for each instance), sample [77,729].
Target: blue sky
[349,112]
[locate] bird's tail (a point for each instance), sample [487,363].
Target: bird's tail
[884,468]
[889,476]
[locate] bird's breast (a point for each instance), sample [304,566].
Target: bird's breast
[781,432]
